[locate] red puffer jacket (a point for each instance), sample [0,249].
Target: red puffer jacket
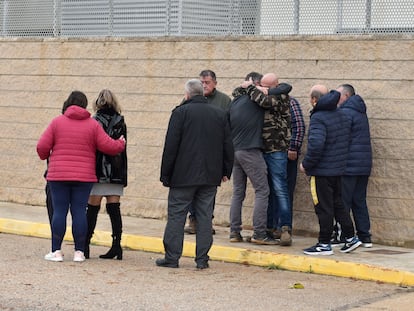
[70,142]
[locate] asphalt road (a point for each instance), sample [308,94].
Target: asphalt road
[28,282]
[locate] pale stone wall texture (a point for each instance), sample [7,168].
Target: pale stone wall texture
[148,75]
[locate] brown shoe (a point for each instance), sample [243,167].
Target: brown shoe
[285,237]
[192,226]
[236,237]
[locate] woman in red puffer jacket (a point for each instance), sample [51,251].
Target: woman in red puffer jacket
[70,142]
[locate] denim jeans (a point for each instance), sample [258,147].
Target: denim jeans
[74,196]
[279,212]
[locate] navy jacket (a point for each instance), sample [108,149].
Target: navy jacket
[328,138]
[360,153]
[198,150]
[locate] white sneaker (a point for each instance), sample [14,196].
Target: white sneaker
[54,256]
[78,256]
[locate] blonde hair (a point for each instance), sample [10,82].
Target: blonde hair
[106,99]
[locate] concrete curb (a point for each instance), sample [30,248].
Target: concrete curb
[245,256]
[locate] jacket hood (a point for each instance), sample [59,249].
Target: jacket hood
[355,102]
[328,101]
[77,113]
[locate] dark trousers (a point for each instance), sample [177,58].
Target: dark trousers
[292,173]
[71,196]
[201,198]
[49,203]
[354,194]
[326,195]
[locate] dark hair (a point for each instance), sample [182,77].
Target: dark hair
[76,98]
[208,73]
[348,89]
[256,77]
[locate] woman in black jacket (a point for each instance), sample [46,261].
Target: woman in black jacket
[111,172]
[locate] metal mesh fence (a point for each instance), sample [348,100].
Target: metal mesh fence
[127,18]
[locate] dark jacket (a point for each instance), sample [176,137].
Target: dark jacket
[360,153]
[112,169]
[198,150]
[328,138]
[246,122]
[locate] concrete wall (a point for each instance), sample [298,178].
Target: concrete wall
[148,75]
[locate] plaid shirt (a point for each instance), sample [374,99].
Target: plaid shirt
[297,126]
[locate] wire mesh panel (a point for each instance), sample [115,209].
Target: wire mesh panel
[121,18]
[27,18]
[140,18]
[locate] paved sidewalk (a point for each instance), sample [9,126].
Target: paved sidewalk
[380,263]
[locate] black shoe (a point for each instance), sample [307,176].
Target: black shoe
[334,242]
[114,251]
[161,262]
[236,237]
[366,242]
[263,239]
[202,265]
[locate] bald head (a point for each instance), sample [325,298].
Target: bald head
[317,91]
[269,80]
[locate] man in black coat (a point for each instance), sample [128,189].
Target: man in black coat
[198,156]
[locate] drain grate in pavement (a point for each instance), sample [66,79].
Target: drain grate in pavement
[386,252]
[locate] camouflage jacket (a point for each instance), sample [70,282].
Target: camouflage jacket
[276,127]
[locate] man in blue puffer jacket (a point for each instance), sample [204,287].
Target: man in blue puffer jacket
[359,163]
[325,162]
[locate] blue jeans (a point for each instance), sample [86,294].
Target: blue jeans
[71,195]
[279,212]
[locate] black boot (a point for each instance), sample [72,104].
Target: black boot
[116,222]
[91,216]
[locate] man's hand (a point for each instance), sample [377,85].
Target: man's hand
[302,169]
[245,84]
[224,179]
[264,90]
[292,155]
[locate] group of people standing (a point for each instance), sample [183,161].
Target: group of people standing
[257,136]
[86,161]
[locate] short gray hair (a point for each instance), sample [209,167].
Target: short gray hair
[194,87]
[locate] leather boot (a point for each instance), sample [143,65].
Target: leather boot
[116,222]
[192,225]
[286,236]
[91,216]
